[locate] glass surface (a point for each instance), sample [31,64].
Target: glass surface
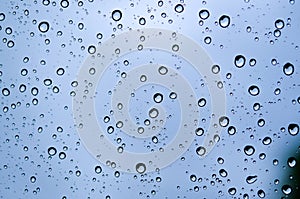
[149,99]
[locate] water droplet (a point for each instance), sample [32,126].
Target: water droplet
[91,49]
[175,47]
[239,61]
[224,21]
[252,62]
[140,168]
[207,40]
[200,150]
[43,26]
[223,121]
[179,8]
[154,139]
[201,102]
[5,92]
[158,97]
[99,36]
[47,82]
[116,15]
[253,90]
[232,191]
[119,124]
[8,30]
[193,178]
[261,193]
[153,113]
[110,130]
[32,179]
[223,173]
[288,69]
[62,155]
[10,44]
[261,122]
[140,130]
[231,130]
[52,151]
[60,71]
[277,33]
[204,14]
[22,88]
[279,23]
[2,16]
[142,21]
[215,69]
[293,129]
[251,179]
[34,91]
[92,71]
[199,131]
[292,162]
[267,140]
[64,3]
[249,150]
[98,169]
[173,95]
[143,78]
[162,70]
[286,189]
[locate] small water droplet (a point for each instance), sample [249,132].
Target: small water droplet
[249,150]
[179,8]
[253,90]
[140,168]
[43,26]
[204,14]
[293,129]
[239,61]
[116,15]
[279,24]
[158,97]
[288,69]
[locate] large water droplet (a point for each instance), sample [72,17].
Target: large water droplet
[116,15]
[288,69]
[292,162]
[279,23]
[140,168]
[43,26]
[224,21]
[179,8]
[293,129]
[239,61]
[251,179]
[158,97]
[52,151]
[204,14]
[249,150]
[253,90]
[286,189]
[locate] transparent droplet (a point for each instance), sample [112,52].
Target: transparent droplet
[142,21]
[204,14]
[232,191]
[60,71]
[5,92]
[10,44]
[116,15]
[43,26]
[52,151]
[22,88]
[153,113]
[62,155]
[231,130]
[223,173]
[154,139]
[64,3]
[179,8]
[92,71]
[201,151]
[261,193]
[293,129]
[249,150]
[175,47]
[251,179]
[207,40]
[223,121]
[277,33]
[252,62]
[91,49]
[286,189]
[288,69]
[267,140]
[110,129]
[253,90]
[32,179]
[158,97]
[201,102]
[193,178]
[2,16]
[262,156]
[256,106]
[34,91]
[47,82]
[98,169]
[140,130]
[224,21]
[143,78]
[140,168]
[261,122]
[215,69]
[8,30]
[292,162]
[119,124]
[199,131]
[239,61]
[279,23]
[162,70]
[173,95]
